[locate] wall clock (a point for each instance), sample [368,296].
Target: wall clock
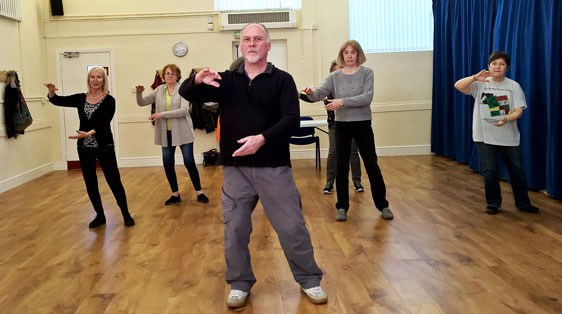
[180,49]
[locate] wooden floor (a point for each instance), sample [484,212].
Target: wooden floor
[440,254]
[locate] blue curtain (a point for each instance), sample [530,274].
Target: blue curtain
[466,32]
[554,109]
[461,46]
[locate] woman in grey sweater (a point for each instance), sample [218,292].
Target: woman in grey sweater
[173,127]
[352,89]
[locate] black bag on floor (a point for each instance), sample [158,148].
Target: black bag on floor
[210,157]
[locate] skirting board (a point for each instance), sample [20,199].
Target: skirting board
[152,161]
[157,161]
[295,154]
[381,151]
[28,176]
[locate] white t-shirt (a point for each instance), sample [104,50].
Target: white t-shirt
[492,101]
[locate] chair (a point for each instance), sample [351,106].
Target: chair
[306,136]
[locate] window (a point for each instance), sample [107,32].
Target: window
[391,25]
[237,5]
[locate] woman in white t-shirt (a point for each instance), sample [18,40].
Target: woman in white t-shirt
[499,102]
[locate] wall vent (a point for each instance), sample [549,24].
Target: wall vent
[271,19]
[11,9]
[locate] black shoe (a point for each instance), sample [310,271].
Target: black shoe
[358,187]
[129,221]
[173,200]
[530,209]
[201,198]
[98,221]
[328,189]
[491,210]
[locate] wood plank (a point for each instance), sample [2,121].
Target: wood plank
[441,253]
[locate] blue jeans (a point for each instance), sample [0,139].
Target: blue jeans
[188,160]
[511,156]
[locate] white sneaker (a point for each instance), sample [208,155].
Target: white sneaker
[237,298]
[316,295]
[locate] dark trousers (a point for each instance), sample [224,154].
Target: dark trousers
[511,156]
[362,133]
[169,160]
[108,162]
[331,164]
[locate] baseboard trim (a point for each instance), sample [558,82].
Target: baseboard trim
[60,166]
[381,151]
[157,161]
[295,154]
[404,150]
[25,177]
[152,161]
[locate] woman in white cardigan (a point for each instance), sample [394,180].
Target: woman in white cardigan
[173,127]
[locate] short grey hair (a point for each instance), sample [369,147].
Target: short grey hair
[260,24]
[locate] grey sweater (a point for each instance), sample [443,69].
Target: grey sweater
[356,90]
[182,126]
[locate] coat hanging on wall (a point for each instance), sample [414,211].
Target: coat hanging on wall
[16,113]
[157,82]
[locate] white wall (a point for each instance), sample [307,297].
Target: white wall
[23,50]
[141,35]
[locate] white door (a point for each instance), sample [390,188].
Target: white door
[74,69]
[277,55]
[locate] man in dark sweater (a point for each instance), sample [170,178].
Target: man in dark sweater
[259,111]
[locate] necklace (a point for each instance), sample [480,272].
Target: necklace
[95,97]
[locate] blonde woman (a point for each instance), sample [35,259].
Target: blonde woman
[173,127]
[95,141]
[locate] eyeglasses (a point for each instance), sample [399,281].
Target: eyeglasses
[171,74]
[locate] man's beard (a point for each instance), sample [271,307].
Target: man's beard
[252,59]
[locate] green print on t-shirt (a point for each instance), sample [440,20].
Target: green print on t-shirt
[498,105]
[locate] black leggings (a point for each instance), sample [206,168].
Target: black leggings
[108,162]
[362,132]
